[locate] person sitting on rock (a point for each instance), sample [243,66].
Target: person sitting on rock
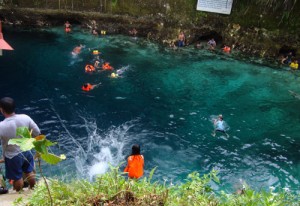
[287,59]
[133,32]
[135,163]
[294,65]
[211,44]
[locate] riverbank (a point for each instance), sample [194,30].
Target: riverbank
[256,42]
[113,189]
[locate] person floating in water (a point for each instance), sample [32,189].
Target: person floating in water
[114,75]
[121,71]
[67,27]
[77,49]
[107,66]
[219,126]
[89,68]
[97,64]
[88,87]
[135,164]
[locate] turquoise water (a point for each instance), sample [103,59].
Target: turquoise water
[163,102]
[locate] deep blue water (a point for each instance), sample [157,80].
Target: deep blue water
[163,102]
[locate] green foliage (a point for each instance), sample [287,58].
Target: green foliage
[113,188]
[265,198]
[196,191]
[39,143]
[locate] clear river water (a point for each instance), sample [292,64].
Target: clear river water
[164,101]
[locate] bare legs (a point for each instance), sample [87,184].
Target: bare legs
[30,177]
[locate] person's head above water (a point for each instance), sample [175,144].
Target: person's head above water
[135,149]
[85,85]
[220,116]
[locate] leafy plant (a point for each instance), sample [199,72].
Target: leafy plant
[40,144]
[113,188]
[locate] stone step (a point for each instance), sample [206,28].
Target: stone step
[12,195]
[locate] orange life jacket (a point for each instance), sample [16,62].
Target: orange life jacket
[226,49]
[89,68]
[106,66]
[96,52]
[135,166]
[88,88]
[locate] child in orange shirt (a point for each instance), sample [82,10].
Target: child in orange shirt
[135,165]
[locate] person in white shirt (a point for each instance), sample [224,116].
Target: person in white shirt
[16,161]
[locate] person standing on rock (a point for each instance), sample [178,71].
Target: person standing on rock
[181,39]
[16,161]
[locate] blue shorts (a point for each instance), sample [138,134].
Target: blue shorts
[180,43]
[15,167]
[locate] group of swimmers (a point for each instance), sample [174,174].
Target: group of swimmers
[99,65]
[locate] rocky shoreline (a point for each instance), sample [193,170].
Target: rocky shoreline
[255,42]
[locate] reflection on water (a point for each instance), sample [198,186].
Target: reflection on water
[163,102]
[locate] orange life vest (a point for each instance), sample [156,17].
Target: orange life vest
[88,88]
[89,68]
[96,52]
[106,66]
[226,49]
[135,166]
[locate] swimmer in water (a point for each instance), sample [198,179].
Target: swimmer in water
[121,71]
[88,87]
[77,49]
[219,126]
[97,64]
[114,75]
[67,27]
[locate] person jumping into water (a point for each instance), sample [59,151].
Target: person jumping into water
[219,126]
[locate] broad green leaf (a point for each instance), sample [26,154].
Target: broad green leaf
[51,158]
[25,144]
[23,132]
[42,143]
[48,143]
[40,146]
